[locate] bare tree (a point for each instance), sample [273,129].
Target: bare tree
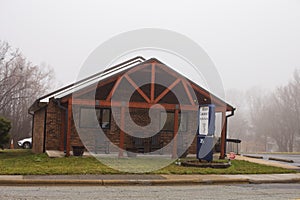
[277,115]
[21,83]
[264,117]
[296,94]
[257,102]
[239,124]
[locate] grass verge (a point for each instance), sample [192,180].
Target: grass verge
[23,162]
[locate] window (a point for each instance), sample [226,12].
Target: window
[89,120]
[169,124]
[183,119]
[104,119]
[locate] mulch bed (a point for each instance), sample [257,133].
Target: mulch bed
[203,164]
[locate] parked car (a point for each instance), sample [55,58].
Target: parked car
[26,143]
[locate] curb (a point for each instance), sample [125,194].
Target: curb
[281,159]
[256,157]
[28,182]
[51,182]
[294,180]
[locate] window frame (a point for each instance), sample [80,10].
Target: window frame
[186,121]
[179,129]
[109,118]
[99,119]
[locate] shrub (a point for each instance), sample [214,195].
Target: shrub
[5,126]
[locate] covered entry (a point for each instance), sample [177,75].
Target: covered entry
[125,102]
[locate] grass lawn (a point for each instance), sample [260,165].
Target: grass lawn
[24,162]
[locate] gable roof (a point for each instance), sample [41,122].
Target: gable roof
[68,89]
[116,71]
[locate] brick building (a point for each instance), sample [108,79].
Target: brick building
[74,115]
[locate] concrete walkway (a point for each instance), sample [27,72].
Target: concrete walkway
[266,162]
[133,179]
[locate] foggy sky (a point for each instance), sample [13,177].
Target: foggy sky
[251,42]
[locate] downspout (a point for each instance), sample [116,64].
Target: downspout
[226,121]
[32,123]
[32,126]
[45,129]
[66,122]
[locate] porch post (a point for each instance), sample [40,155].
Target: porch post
[223,135]
[152,91]
[121,144]
[69,127]
[174,153]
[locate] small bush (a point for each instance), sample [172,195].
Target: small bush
[5,126]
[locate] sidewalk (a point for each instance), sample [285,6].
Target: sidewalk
[132,179]
[267,162]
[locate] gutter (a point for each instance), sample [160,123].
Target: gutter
[45,129]
[231,114]
[226,121]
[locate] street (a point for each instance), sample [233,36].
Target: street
[245,191]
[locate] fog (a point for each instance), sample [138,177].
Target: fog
[254,45]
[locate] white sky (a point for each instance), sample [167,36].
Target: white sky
[251,42]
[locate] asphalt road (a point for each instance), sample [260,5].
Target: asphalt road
[245,191]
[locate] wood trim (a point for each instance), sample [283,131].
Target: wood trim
[202,91]
[111,93]
[154,70]
[165,92]
[168,70]
[174,151]
[137,88]
[152,90]
[184,83]
[207,95]
[171,107]
[122,125]
[92,87]
[139,67]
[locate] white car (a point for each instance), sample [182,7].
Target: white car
[26,143]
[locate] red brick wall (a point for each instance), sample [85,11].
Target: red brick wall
[90,135]
[53,126]
[38,131]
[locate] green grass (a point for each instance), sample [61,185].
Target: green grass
[237,167]
[23,162]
